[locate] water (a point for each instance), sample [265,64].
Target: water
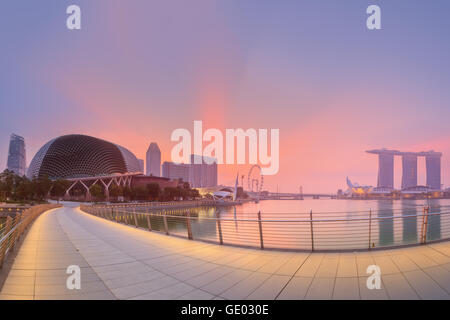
[338,224]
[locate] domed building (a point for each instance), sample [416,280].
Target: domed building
[80,156]
[86,161]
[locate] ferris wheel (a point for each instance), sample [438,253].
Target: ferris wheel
[255,179]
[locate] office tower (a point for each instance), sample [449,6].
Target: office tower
[16,155]
[433,163]
[141,165]
[385,170]
[385,167]
[174,171]
[203,172]
[409,170]
[153,159]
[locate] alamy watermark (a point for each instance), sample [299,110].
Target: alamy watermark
[374,280]
[234,140]
[73,21]
[74,280]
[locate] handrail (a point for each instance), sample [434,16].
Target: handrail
[323,233]
[14,228]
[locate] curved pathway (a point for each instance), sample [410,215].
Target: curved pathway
[122,262]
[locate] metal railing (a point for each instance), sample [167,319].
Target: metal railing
[13,228]
[363,231]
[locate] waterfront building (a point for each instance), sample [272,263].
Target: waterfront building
[16,155]
[153,160]
[433,165]
[141,165]
[203,172]
[175,171]
[86,161]
[385,168]
[80,156]
[409,170]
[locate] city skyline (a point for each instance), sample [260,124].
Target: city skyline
[310,69]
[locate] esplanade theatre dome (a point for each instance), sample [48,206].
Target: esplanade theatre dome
[80,156]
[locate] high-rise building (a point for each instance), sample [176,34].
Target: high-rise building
[141,165]
[385,167]
[153,159]
[174,171]
[409,170]
[16,155]
[203,172]
[433,163]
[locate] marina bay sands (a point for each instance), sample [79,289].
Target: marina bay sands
[409,168]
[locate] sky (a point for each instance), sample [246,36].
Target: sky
[139,69]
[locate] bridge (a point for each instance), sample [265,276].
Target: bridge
[124,262]
[295,196]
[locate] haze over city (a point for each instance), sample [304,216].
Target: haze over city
[333,88]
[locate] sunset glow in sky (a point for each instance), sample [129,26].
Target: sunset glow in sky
[140,69]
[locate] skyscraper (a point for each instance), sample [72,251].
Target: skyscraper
[174,171]
[409,167]
[153,159]
[16,155]
[433,162]
[141,165]
[203,172]
[386,170]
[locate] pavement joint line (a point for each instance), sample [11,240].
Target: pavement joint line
[82,256]
[144,264]
[421,269]
[313,277]
[293,275]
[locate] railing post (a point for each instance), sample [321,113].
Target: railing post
[149,224]
[424,225]
[166,228]
[312,230]
[370,228]
[219,227]
[188,225]
[135,218]
[261,240]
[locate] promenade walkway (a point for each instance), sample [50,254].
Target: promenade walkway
[121,262]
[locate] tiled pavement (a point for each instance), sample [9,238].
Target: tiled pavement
[121,262]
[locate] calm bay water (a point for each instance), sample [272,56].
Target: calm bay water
[338,224]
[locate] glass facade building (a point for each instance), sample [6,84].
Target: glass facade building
[16,155]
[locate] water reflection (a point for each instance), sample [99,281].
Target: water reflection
[347,234]
[434,221]
[409,231]
[385,226]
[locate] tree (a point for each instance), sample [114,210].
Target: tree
[141,193]
[115,191]
[97,192]
[153,191]
[41,187]
[24,189]
[7,179]
[59,188]
[194,194]
[128,193]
